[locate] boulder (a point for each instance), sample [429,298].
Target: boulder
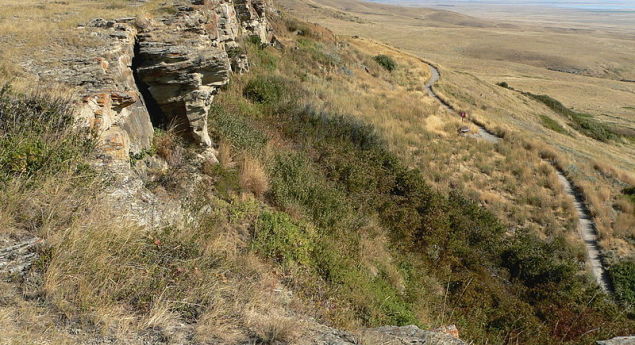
[387,335]
[628,340]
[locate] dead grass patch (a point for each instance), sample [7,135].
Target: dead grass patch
[253,177]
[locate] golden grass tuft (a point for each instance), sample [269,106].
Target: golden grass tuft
[168,146]
[225,157]
[273,328]
[253,177]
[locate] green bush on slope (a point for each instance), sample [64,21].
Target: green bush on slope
[337,173]
[386,62]
[348,224]
[580,121]
[37,135]
[623,279]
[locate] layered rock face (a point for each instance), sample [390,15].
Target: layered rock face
[160,73]
[184,59]
[145,73]
[110,103]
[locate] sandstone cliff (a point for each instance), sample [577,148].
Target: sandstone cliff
[160,72]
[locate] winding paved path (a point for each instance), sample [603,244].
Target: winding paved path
[586,226]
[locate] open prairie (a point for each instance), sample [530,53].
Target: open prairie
[579,60]
[222,172]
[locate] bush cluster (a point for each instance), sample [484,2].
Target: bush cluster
[336,173]
[623,280]
[386,62]
[580,121]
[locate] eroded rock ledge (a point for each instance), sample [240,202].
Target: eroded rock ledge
[184,60]
[140,73]
[160,72]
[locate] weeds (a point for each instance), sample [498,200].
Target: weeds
[552,124]
[267,90]
[622,277]
[253,177]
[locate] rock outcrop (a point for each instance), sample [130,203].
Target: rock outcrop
[629,340]
[388,335]
[185,58]
[110,102]
[17,256]
[148,73]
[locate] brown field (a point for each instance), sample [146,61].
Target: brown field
[37,35]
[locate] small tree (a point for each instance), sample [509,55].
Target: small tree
[386,62]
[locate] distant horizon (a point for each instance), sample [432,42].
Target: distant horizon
[585,5]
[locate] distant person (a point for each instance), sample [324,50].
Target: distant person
[463,115]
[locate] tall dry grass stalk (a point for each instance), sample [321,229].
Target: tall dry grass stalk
[225,156]
[253,177]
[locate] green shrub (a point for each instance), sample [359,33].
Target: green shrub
[629,193]
[386,62]
[255,40]
[503,84]
[552,124]
[300,28]
[296,182]
[525,260]
[584,123]
[234,52]
[268,90]
[308,122]
[236,128]
[623,279]
[278,237]
[265,59]
[318,53]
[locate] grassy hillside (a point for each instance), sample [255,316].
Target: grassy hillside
[475,54]
[340,175]
[338,182]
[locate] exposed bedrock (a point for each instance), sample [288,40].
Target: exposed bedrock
[159,73]
[184,59]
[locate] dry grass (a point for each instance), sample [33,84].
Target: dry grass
[272,328]
[225,156]
[168,145]
[34,31]
[253,177]
[115,278]
[426,136]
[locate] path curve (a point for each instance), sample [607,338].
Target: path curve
[586,225]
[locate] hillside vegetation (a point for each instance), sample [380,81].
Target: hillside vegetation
[474,54]
[330,200]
